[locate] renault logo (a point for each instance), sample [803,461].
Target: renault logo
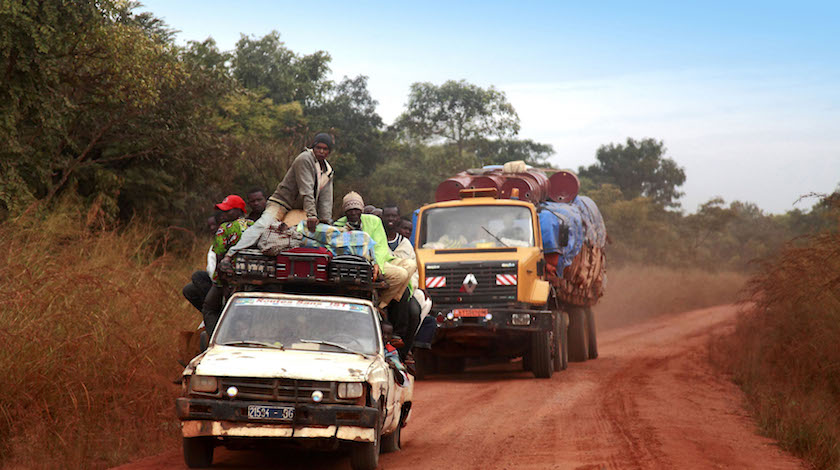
[469,283]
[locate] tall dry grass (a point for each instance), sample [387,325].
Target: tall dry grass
[785,352]
[636,293]
[88,328]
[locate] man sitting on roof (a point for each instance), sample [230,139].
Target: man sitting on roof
[397,272]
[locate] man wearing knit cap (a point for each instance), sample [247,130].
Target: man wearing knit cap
[397,272]
[308,185]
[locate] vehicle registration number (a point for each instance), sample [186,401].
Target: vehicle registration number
[285,413]
[470,312]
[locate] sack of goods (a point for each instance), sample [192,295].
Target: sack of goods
[574,237]
[279,237]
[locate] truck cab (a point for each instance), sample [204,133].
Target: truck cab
[481,261]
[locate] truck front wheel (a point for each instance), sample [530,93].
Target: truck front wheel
[542,354]
[198,452]
[578,335]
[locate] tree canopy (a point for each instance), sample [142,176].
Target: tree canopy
[638,168]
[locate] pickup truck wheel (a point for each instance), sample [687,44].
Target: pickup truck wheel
[542,354]
[593,340]
[365,455]
[561,336]
[391,442]
[198,452]
[578,335]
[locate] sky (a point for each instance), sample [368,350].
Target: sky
[745,95]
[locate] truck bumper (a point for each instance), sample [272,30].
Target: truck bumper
[501,318]
[219,418]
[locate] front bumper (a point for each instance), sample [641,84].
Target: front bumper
[222,418]
[501,318]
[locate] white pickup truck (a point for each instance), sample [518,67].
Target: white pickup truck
[302,369]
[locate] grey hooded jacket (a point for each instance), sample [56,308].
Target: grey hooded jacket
[299,188]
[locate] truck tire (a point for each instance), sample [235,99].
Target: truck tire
[542,354]
[561,337]
[425,363]
[526,359]
[593,340]
[451,365]
[365,455]
[578,335]
[198,452]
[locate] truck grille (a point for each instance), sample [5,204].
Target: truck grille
[286,390]
[486,289]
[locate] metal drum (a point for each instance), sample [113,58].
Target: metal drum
[563,186]
[489,180]
[450,189]
[532,185]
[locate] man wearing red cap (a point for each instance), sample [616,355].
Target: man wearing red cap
[233,213]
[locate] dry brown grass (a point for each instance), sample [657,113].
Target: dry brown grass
[88,327]
[785,352]
[636,293]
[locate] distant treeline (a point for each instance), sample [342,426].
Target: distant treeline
[98,102]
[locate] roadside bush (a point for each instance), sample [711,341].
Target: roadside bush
[784,352]
[88,326]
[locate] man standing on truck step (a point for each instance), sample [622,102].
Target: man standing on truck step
[397,271]
[229,234]
[308,185]
[410,306]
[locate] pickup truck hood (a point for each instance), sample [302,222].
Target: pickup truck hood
[231,361]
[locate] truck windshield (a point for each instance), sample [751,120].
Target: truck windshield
[476,227]
[299,324]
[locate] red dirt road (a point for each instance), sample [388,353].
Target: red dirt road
[650,401]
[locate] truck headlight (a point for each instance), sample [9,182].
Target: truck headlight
[201,383]
[520,319]
[350,390]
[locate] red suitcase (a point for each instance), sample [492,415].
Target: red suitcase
[303,264]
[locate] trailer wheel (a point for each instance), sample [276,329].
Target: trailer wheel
[198,452]
[542,354]
[593,340]
[578,335]
[561,349]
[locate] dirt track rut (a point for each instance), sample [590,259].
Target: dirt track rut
[650,401]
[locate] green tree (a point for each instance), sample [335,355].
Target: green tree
[639,169]
[499,152]
[284,76]
[458,113]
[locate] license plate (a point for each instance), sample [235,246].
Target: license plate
[283,413]
[470,312]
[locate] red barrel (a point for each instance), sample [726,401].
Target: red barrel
[450,189]
[532,185]
[489,180]
[563,186]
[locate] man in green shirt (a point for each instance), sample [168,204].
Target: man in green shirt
[397,271]
[229,232]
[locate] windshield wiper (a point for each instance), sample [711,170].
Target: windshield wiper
[494,236]
[330,343]
[254,343]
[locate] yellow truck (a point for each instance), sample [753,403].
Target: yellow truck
[511,276]
[481,261]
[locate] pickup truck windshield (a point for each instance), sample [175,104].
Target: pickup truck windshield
[298,324]
[476,227]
